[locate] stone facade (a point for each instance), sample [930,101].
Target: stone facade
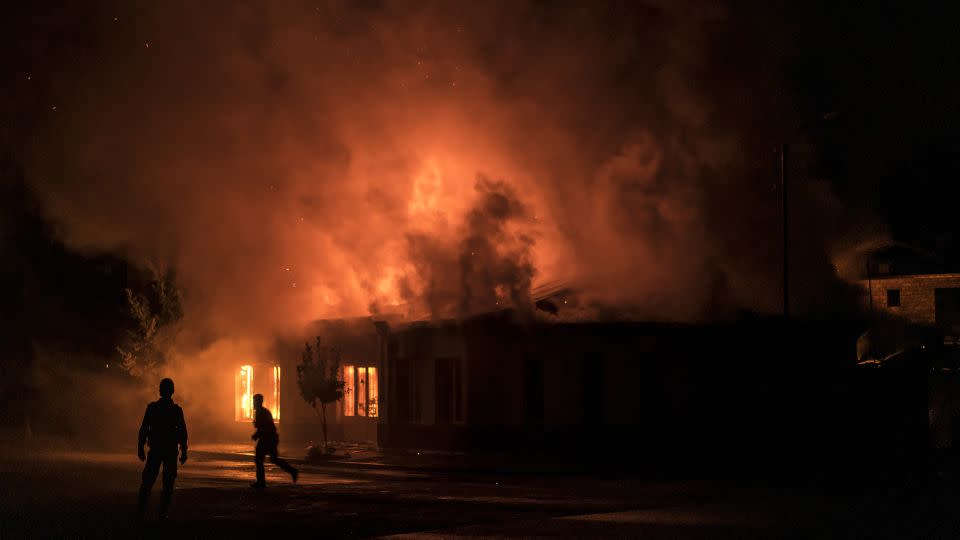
[916,295]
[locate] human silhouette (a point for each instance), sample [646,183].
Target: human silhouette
[267,440]
[164,429]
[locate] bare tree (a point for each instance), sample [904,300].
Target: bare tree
[320,380]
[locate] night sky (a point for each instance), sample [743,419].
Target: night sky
[892,73]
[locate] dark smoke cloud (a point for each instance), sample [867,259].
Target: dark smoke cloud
[487,267]
[301,160]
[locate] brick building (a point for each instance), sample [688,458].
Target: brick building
[912,299]
[924,299]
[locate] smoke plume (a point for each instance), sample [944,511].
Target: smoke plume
[300,160]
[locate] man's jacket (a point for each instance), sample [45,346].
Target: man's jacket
[266,432]
[163,426]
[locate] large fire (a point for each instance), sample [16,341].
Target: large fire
[435,161]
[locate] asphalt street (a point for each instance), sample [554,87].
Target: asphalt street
[93,495]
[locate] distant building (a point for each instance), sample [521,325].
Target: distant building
[908,284]
[923,299]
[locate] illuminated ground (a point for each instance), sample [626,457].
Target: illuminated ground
[92,495]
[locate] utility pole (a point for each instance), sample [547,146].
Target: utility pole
[785,215]
[783,150]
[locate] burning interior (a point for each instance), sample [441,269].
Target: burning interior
[267,383]
[360,391]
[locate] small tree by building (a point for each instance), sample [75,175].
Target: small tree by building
[320,380]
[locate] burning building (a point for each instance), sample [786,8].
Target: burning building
[353,419]
[549,381]
[387,155]
[510,380]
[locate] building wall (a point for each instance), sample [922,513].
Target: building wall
[917,295]
[563,393]
[540,382]
[417,352]
[651,391]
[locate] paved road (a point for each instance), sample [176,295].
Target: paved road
[93,495]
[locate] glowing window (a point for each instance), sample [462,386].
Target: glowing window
[246,389]
[360,391]
[276,393]
[349,407]
[372,392]
[245,393]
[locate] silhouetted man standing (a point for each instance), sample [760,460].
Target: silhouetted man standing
[267,441]
[163,429]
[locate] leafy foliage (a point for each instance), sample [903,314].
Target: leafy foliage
[154,312]
[320,380]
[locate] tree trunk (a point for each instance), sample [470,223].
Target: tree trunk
[323,423]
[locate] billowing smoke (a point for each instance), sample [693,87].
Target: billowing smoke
[301,160]
[487,267]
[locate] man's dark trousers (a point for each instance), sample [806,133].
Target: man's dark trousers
[157,457]
[268,447]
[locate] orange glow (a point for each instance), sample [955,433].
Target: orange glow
[352,188]
[245,393]
[372,392]
[348,390]
[276,393]
[360,391]
[246,389]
